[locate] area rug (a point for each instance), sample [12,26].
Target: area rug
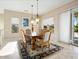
[44,52]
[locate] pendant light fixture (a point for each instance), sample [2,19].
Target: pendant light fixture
[37,16]
[32,19]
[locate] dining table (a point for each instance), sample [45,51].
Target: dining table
[34,36]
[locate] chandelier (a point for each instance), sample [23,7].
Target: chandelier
[36,20]
[32,19]
[37,16]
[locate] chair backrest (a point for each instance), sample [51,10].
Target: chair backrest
[47,36]
[28,36]
[28,31]
[23,36]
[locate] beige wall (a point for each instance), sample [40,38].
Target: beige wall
[1,21]
[8,35]
[1,28]
[56,13]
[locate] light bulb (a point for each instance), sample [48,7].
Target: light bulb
[37,19]
[32,22]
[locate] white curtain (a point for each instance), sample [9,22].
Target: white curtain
[64,27]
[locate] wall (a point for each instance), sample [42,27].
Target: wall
[8,14]
[56,14]
[1,29]
[1,21]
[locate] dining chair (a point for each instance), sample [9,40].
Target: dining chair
[28,31]
[46,41]
[23,40]
[42,33]
[23,35]
[23,43]
[28,36]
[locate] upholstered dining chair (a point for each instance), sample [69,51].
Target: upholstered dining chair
[46,41]
[28,31]
[28,36]
[42,33]
[23,35]
[22,32]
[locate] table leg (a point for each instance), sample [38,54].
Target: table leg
[33,43]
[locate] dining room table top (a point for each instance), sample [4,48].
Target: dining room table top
[34,34]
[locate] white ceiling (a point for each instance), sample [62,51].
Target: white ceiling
[21,5]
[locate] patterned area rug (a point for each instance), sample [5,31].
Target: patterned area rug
[39,53]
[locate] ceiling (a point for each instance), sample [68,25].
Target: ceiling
[25,5]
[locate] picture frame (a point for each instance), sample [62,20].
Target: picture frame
[15,28]
[14,25]
[25,22]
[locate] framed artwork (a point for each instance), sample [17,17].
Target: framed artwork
[15,28]
[25,22]
[15,25]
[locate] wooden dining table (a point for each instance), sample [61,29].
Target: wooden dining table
[34,37]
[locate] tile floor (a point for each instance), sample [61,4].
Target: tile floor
[68,52]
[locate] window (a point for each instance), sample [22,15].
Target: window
[48,22]
[14,25]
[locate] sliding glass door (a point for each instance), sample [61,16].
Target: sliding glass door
[68,26]
[75,26]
